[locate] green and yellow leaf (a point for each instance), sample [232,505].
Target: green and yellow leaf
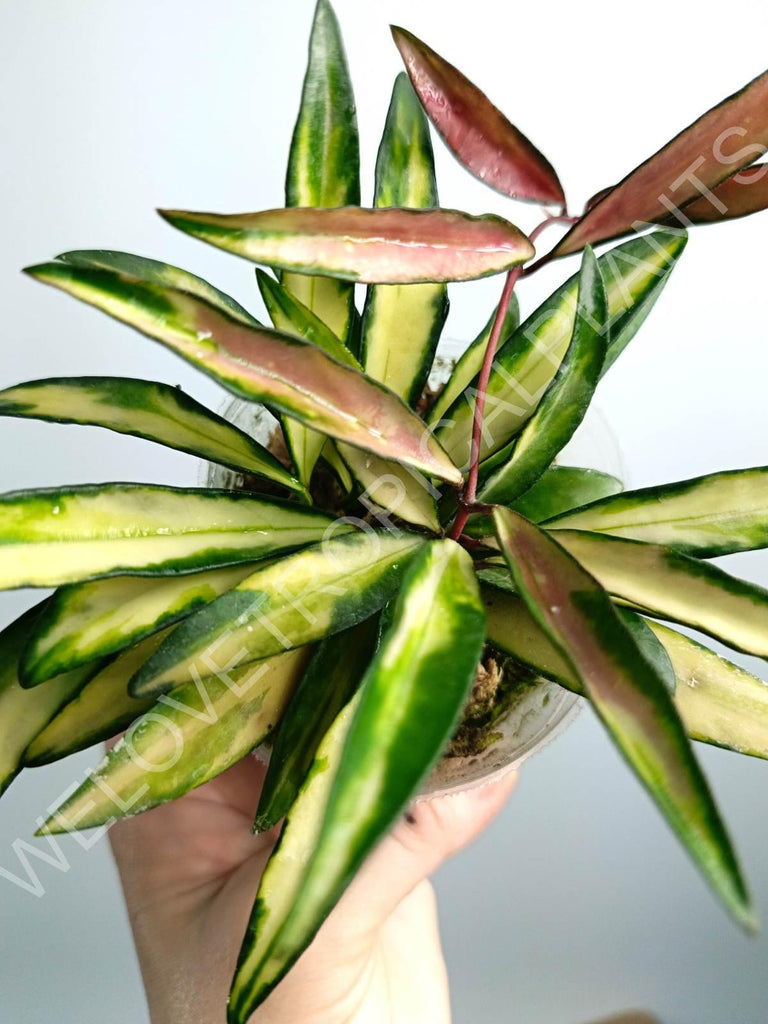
[24,713]
[156,272]
[146,409]
[398,726]
[566,400]
[64,535]
[673,586]
[402,323]
[288,603]
[385,483]
[86,621]
[719,702]
[329,683]
[324,160]
[707,516]
[186,739]
[634,274]
[99,711]
[468,365]
[290,315]
[628,695]
[289,374]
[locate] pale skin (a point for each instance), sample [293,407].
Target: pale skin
[190,871]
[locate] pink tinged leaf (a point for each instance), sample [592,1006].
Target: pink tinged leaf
[628,694]
[382,246]
[745,192]
[476,132]
[286,373]
[728,137]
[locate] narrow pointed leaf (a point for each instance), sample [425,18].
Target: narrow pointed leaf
[186,739]
[707,516]
[400,724]
[719,702]
[324,160]
[726,138]
[162,274]
[290,315]
[468,365]
[634,274]
[57,536]
[742,194]
[329,683]
[101,710]
[402,323]
[476,132]
[673,586]
[91,620]
[258,364]
[566,400]
[558,490]
[147,409]
[628,696]
[383,482]
[294,601]
[513,629]
[399,490]
[24,713]
[366,246]
[563,488]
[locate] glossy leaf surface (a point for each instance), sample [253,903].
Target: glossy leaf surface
[290,315]
[719,702]
[634,274]
[470,362]
[258,364]
[398,728]
[388,484]
[294,601]
[24,713]
[676,587]
[709,515]
[402,323]
[628,695]
[86,621]
[147,409]
[742,194]
[329,683]
[324,159]
[52,537]
[565,402]
[365,246]
[155,272]
[99,711]
[477,133]
[721,141]
[186,739]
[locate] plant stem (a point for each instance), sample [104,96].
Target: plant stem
[469,493]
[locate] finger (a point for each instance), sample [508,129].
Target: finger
[431,832]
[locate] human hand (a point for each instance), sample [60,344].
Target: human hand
[190,870]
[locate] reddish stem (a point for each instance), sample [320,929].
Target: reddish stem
[469,493]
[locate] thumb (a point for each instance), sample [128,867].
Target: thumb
[431,831]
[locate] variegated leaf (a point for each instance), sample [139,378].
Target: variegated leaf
[366,246]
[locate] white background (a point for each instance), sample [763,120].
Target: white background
[576,902]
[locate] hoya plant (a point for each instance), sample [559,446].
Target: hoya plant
[385,538]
